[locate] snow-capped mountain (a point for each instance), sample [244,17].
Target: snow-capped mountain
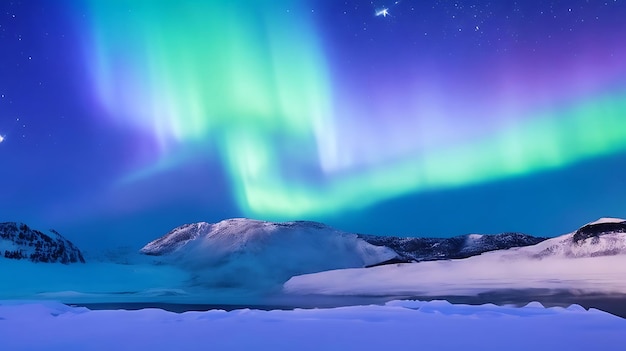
[18,241]
[430,249]
[239,252]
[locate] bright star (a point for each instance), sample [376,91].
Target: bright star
[383,12]
[1,138]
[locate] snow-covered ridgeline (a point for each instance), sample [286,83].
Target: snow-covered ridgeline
[590,260]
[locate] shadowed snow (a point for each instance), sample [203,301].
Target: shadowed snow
[398,325]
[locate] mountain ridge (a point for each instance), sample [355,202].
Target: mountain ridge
[463,246]
[407,249]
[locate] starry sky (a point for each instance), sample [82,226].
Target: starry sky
[120,120]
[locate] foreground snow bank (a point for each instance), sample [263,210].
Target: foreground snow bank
[396,326]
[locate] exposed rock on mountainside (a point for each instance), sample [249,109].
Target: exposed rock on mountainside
[604,237]
[595,230]
[430,249]
[18,241]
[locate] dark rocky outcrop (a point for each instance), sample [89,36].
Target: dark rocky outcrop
[430,249]
[595,230]
[18,241]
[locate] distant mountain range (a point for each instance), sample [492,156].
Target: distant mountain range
[242,252]
[241,234]
[18,241]
[239,252]
[604,237]
[310,246]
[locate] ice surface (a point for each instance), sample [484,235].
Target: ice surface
[398,325]
[92,281]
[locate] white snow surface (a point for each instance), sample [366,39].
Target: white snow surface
[243,252]
[474,236]
[398,325]
[593,265]
[607,220]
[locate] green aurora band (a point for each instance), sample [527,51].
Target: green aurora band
[238,78]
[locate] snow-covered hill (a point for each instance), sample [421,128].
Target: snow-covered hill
[18,241]
[604,237]
[244,252]
[589,260]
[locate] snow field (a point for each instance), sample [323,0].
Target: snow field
[412,325]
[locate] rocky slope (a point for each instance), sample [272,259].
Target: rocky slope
[431,249]
[18,241]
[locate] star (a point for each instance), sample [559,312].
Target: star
[1,138]
[383,12]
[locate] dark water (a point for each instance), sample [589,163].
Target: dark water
[276,302]
[611,303]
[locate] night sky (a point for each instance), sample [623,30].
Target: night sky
[120,120]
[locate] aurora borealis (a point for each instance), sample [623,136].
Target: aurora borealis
[179,111]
